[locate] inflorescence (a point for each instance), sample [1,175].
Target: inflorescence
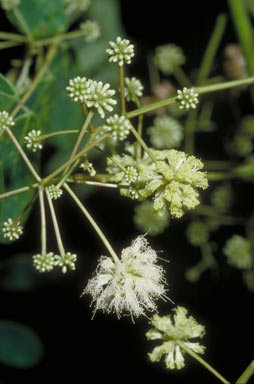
[120,51]
[12,230]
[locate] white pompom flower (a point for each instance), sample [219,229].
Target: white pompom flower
[130,285]
[120,51]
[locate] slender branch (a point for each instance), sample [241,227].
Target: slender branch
[151,107]
[202,361]
[48,59]
[143,144]
[12,36]
[8,44]
[43,223]
[121,71]
[246,375]
[23,155]
[23,24]
[64,36]
[225,85]
[55,224]
[48,135]
[18,190]
[93,223]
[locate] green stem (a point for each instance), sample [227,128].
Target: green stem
[193,354]
[151,107]
[211,49]
[12,36]
[246,375]
[23,155]
[121,71]
[21,214]
[244,30]
[67,174]
[207,255]
[93,223]
[55,224]
[143,144]
[48,135]
[100,184]
[48,59]
[181,77]
[23,24]
[8,44]
[80,137]
[64,36]
[85,112]
[224,85]
[17,191]
[43,223]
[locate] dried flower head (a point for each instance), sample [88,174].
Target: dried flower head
[44,262]
[238,252]
[118,126]
[54,192]
[8,5]
[120,51]
[6,121]
[67,261]
[168,57]
[165,133]
[12,230]
[130,285]
[173,333]
[133,89]
[188,98]
[91,30]
[33,140]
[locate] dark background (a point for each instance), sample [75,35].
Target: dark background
[79,349]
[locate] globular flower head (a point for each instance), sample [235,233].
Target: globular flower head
[242,145]
[197,233]
[188,98]
[118,126]
[172,331]
[133,89]
[77,89]
[238,252]
[54,192]
[131,175]
[148,221]
[12,230]
[168,57]
[99,96]
[44,262]
[6,121]
[8,5]
[33,140]
[76,5]
[91,30]
[66,261]
[131,284]
[221,198]
[165,133]
[120,51]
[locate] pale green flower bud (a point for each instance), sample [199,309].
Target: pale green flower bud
[149,221]
[118,126]
[188,98]
[120,51]
[8,5]
[133,89]
[197,233]
[99,97]
[67,261]
[76,5]
[238,252]
[6,121]
[168,57]
[165,133]
[44,263]
[221,198]
[54,192]
[91,30]
[12,230]
[33,140]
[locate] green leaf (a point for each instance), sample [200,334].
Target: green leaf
[44,18]
[16,173]
[18,273]
[7,94]
[20,346]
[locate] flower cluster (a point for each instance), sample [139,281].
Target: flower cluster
[133,89]
[197,233]
[173,333]
[221,198]
[131,284]
[172,181]
[188,98]
[148,221]
[33,140]
[118,126]
[238,252]
[46,262]
[12,230]
[76,5]
[165,133]
[91,30]
[95,94]
[120,51]
[8,5]
[54,192]
[168,57]
[6,121]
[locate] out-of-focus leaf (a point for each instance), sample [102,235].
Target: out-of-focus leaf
[18,273]
[20,346]
[16,173]
[44,18]
[7,93]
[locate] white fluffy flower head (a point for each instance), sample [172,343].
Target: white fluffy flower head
[120,51]
[129,285]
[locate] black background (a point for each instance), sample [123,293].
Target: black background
[79,349]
